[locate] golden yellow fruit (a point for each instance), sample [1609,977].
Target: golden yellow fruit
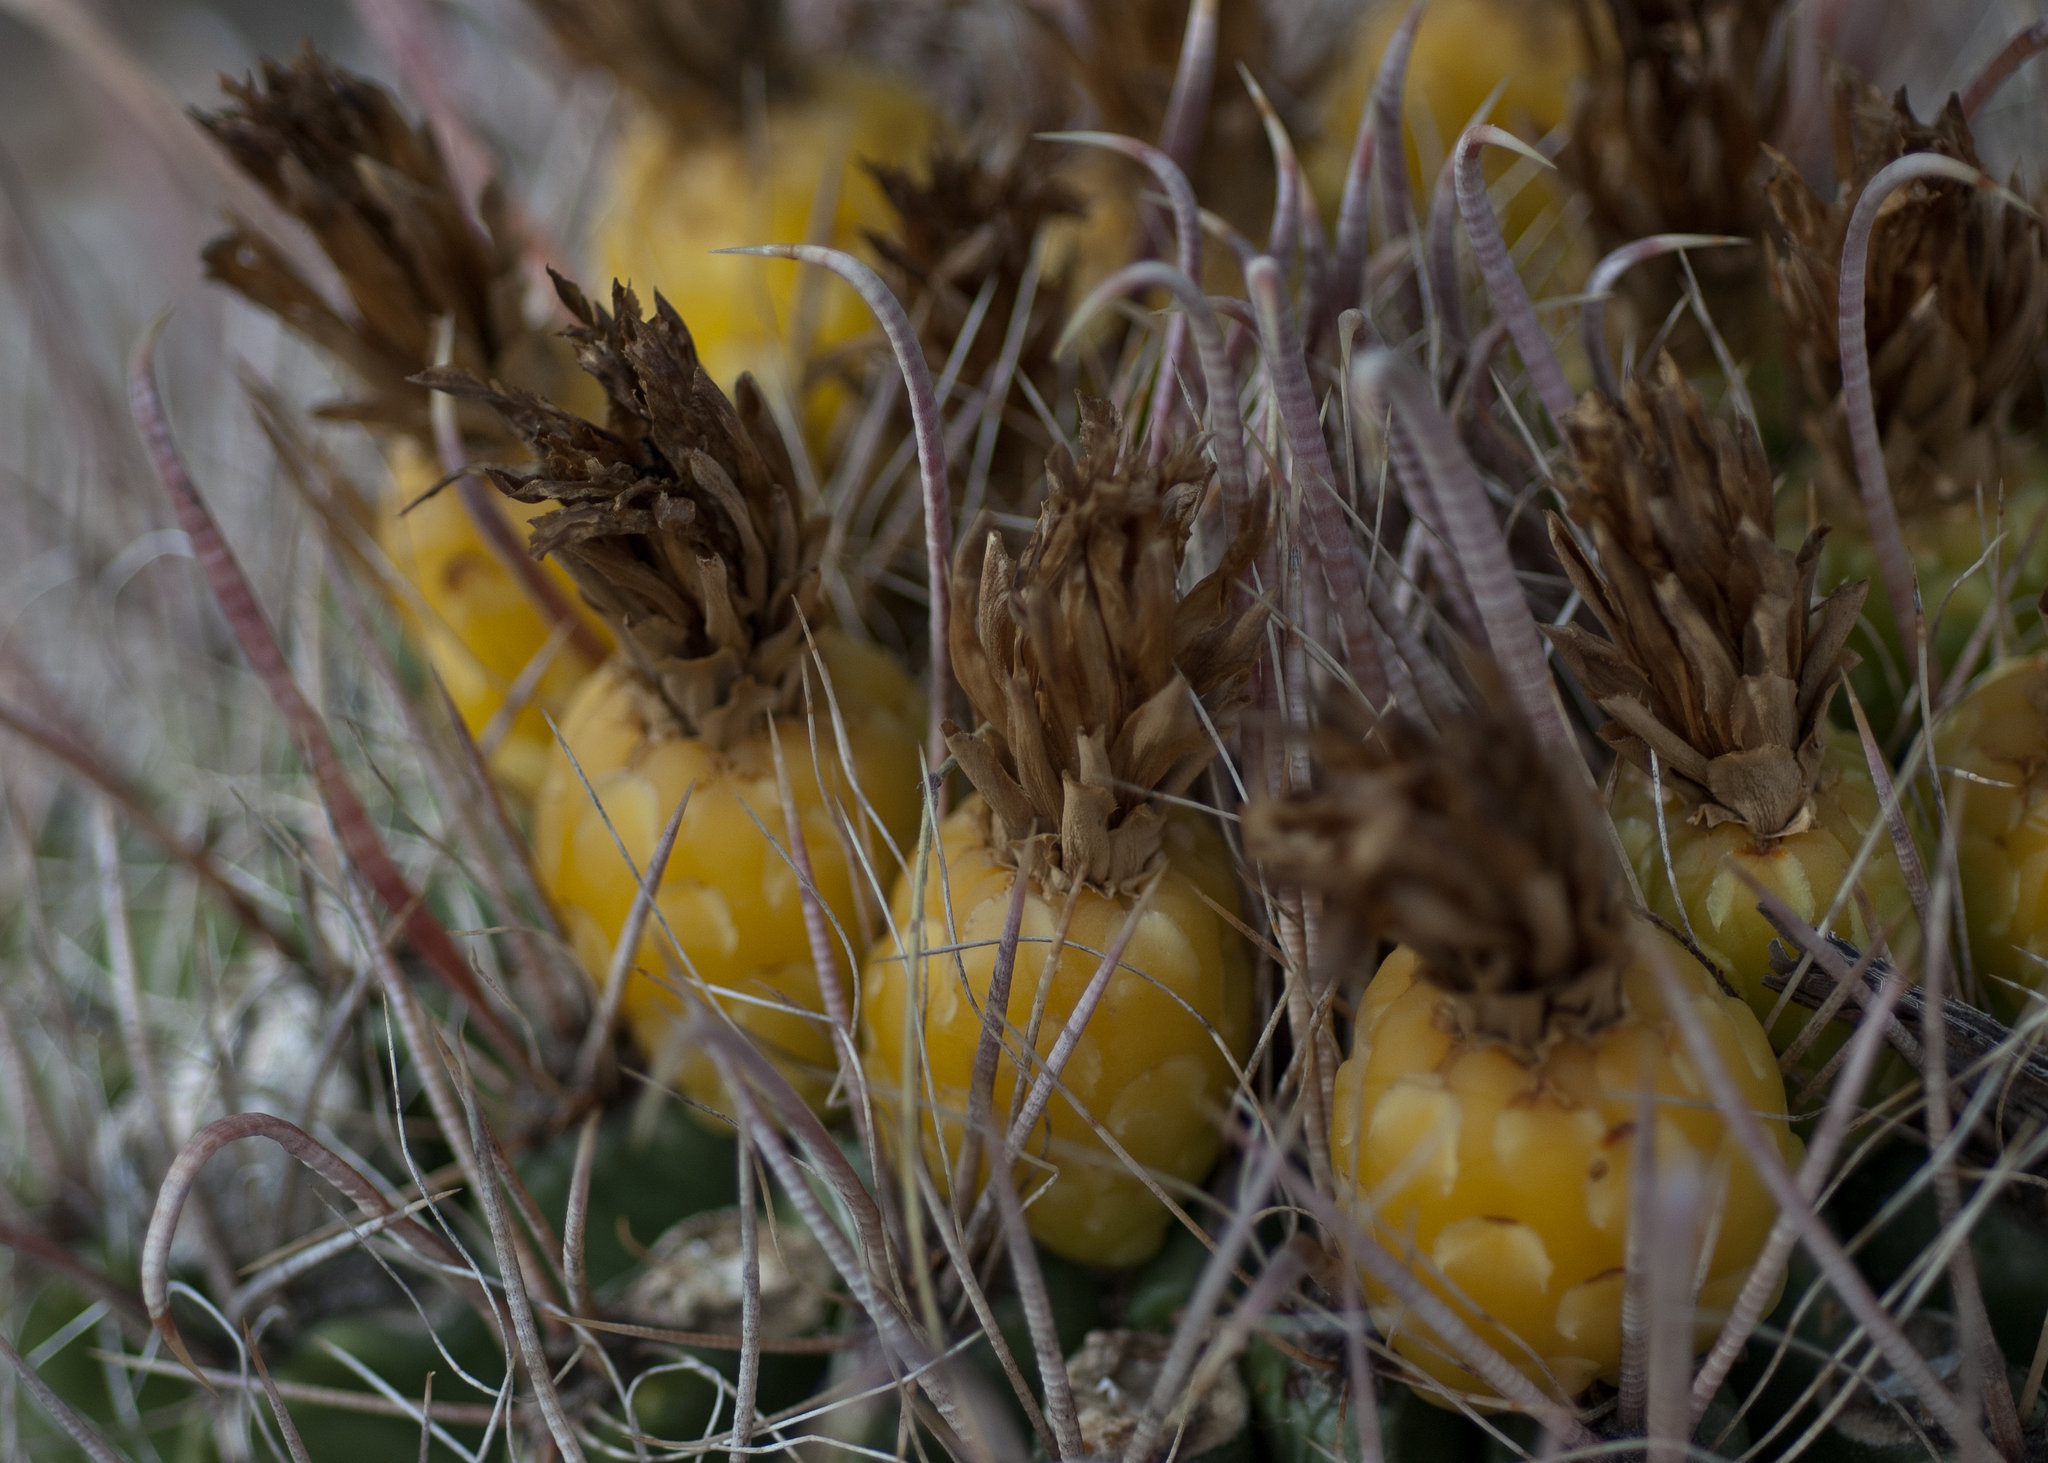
[729,896]
[682,525]
[475,623]
[428,279]
[1097,684]
[1805,869]
[1486,1127]
[1504,1183]
[1154,1066]
[1717,659]
[1992,749]
[673,198]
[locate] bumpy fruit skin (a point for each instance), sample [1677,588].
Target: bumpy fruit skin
[1992,748]
[1805,869]
[475,623]
[1150,1066]
[673,199]
[1505,1185]
[730,897]
[1463,50]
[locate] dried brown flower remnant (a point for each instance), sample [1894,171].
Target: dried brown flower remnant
[1956,303]
[1085,662]
[971,224]
[1716,659]
[689,59]
[679,519]
[693,1278]
[1669,132]
[334,151]
[1113,1377]
[1482,852]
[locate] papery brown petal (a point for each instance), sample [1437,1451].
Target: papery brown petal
[982,763]
[1083,652]
[1828,659]
[1713,648]
[709,578]
[1480,851]
[1764,788]
[1956,306]
[1675,751]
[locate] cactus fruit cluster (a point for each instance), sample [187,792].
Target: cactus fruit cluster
[1005,750]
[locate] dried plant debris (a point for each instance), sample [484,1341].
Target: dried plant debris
[1096,679]
[1480,850]
[1669,130]
[689,59]
[335,151]
[972,224]
[1113,1377]
[1716,657]
[1956,303]
[679,518]
[693,1278]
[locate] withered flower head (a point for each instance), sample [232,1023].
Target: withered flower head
[972,224]
[1669,130]
[1956,303]
[1715,657]
[679,518]
[1480,850]
[335,152]
[688,59]
[1085,662]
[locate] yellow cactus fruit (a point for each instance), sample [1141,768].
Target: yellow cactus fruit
[1955,315]
[477,625]
[729,895]
[672,199]
[680,523]
[1992,750]
[333,149]
[1151,1068]
[1717,664]
[1512,1177]
[1464,49]
[693,173]
[1716,905]
[1485,1129]
[1093,677]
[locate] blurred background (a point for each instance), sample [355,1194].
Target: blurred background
[107,194]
